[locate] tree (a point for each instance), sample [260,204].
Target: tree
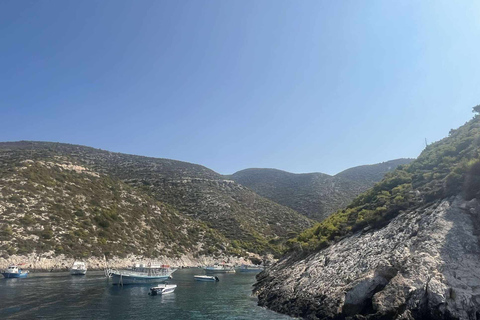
[476,108]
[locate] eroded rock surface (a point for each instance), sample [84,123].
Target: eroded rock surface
[425,264]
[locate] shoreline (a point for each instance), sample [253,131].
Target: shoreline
[60,270]
[49,263]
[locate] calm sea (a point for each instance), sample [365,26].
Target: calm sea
[62,296]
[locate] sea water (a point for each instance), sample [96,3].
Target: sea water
[62,296]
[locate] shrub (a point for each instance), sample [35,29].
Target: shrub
[472,180]
[46,234]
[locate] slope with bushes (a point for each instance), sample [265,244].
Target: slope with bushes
[60,207]
[406,249]
[247,221]
[447,167]
[315,195]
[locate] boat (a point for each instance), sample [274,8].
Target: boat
[162,289]
[205,278]
[78,268]
[250,268]
[14,271]
[140,274]
[219,269]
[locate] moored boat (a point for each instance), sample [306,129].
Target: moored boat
[78,268]
[250,268]
[14,271]
[141,274]
[205,278]
[220,269]
[162,289]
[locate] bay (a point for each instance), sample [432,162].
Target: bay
[62,296]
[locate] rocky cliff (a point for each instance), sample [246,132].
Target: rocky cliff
[425,264]
[406,249]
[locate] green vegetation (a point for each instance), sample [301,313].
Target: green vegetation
[79,214]
[315,195]
[76,200]
[448,167]
[476,109]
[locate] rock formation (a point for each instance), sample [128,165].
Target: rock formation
[424,264]
[406,249]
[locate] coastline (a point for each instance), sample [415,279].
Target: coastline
[51,263]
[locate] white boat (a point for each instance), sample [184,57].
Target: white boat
[250,268]
[78,268]
[14,271]
[162,289]
[220,269]
[140,274]
[205,278]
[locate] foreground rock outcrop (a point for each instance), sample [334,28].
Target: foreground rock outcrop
[425,264]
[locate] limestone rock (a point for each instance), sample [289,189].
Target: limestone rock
[424,264]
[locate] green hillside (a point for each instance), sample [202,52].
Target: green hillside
[83,200]
[448,167]
[315,195]
[368,175]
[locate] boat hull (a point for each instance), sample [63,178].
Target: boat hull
[207,279]
[161,290]
[219,271]
[78,272]
[14,275]
[210,271]
[119,279]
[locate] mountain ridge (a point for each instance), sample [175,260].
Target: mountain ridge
[315,194]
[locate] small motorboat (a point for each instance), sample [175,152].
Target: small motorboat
[162,289]
[14,272]
[78,268]
[206,278]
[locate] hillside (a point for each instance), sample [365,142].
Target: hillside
[69,209]
[406,249]
[370,174]
[195,209]
[316,195]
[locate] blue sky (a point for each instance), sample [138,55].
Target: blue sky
[301,86]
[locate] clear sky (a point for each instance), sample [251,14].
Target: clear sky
[301,86]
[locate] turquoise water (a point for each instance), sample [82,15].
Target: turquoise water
[62,296]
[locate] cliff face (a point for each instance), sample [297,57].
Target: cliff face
[406,249]
[424,264]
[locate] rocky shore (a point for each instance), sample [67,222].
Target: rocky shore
[425,264]
[49,262]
